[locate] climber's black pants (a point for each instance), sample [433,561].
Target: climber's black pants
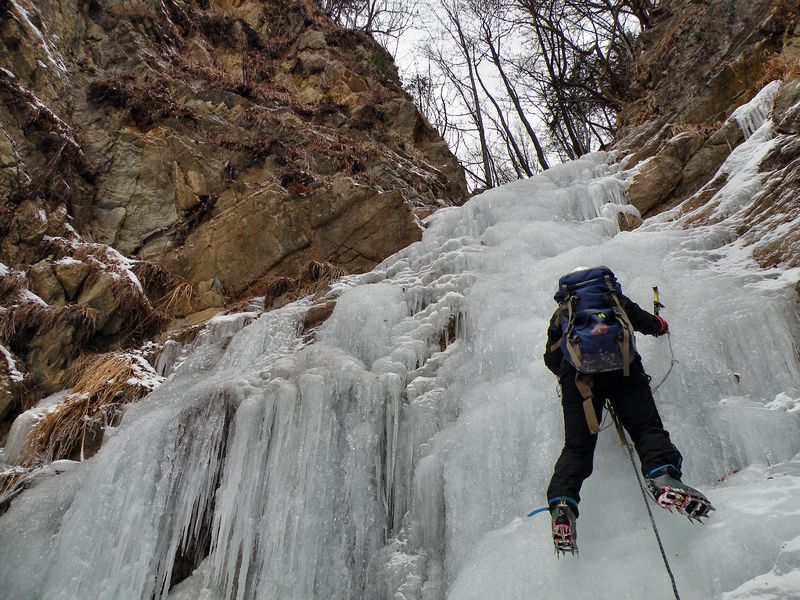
[633,403]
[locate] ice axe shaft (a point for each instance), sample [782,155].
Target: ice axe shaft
[657,306]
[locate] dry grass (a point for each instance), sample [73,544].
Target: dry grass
[316,271]
[24,321]
[140,318]
[147,102]
[56,248]
[101,384]
[168,293]
[778,66]
[275,287]
[175,300]
[312,279]
[11,284]
[706,129]
[155,280]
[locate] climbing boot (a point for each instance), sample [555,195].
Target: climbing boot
[564,534]
[670,493]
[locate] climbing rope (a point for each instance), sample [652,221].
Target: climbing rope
[623,438]
[657,306]
[672,363]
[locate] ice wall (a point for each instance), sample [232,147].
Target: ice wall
[393,458]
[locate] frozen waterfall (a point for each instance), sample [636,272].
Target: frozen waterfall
[396,456]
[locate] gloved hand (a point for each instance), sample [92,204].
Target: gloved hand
[663,327]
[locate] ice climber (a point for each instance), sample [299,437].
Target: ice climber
[591,349]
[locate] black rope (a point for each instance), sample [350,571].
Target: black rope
[628,446]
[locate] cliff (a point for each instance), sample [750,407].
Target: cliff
[699,64]
[163,158]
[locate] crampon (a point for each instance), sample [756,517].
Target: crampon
[685,500]
[564,535]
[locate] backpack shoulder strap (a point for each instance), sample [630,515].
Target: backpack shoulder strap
[627,327]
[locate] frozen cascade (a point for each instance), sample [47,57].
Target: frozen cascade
[752,115]
[393,457]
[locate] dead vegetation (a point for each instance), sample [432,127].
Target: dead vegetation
[172,302]
[704,129]
[155,280]
[147,102]
[102,384]
[22,322]
[313,279]
[11,284]
[55,136]
[169,294]
[778,66]
[62,169]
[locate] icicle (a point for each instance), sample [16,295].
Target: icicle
[752,115]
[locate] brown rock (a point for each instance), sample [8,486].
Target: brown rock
[170,142]
[49,354]
[185,196]
[137,196]
[654,183]
[44,283]
[210,295]
[704,163]
[98,294]
[628,222]
[312,39]
[786,107]
[71,274]
[310,63]
[358,228]
[402,116]
[684,145]
[13,173]
[31,222]
[6,387]
[6,395]
[318,314]
[244,242]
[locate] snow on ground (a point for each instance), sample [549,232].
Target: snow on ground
[397,456]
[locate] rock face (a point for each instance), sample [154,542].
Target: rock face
[211,144]
[213,126]
[702,61]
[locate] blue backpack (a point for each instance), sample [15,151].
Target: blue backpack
[596,335]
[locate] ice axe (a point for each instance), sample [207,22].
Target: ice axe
[657,306]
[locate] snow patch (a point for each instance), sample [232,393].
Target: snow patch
[11,364]
[53,56]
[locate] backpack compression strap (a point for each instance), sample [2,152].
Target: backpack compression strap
[584,385]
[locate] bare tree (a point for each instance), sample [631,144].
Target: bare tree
[453,52]
[577,63]
[386,20]
[512,83]
[489,14]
